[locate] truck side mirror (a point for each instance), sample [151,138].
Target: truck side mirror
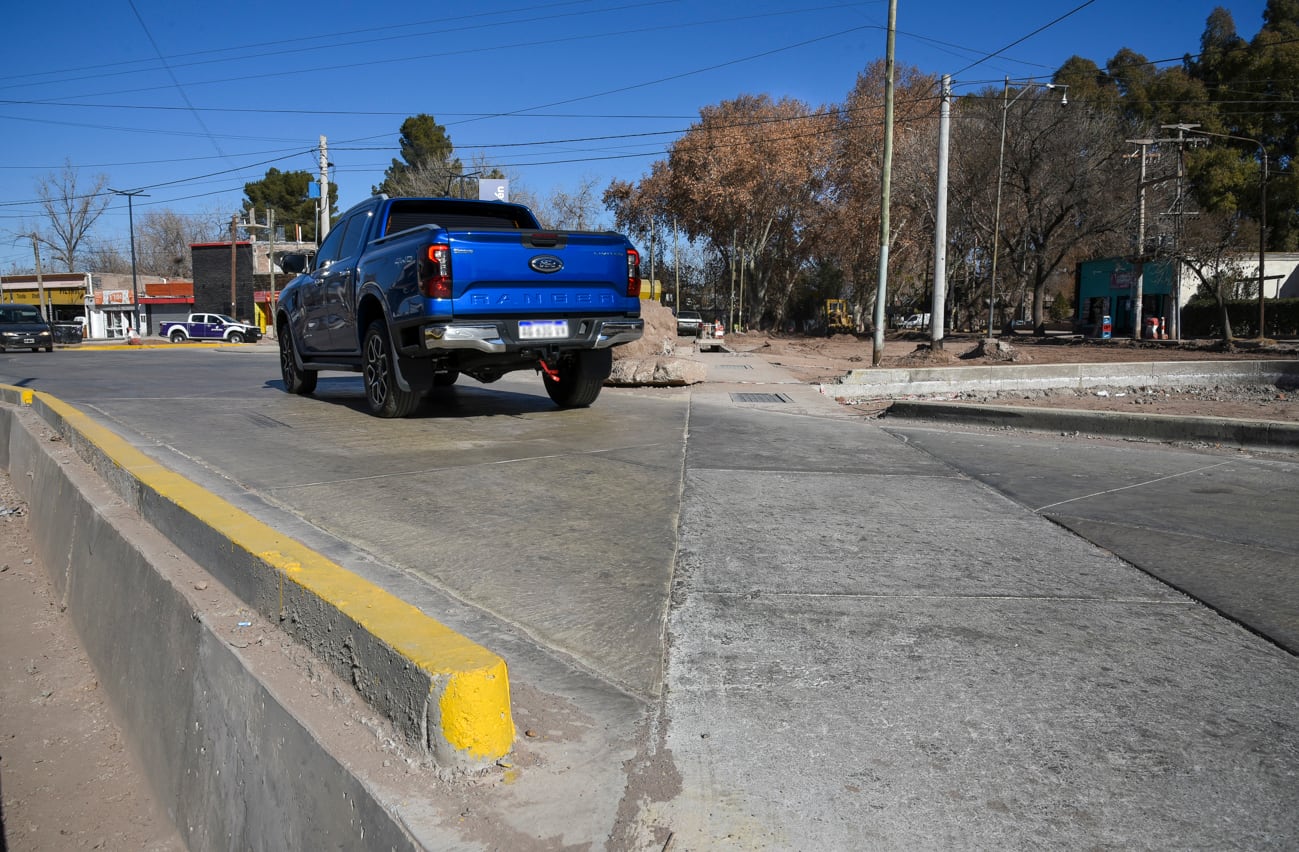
[294,262]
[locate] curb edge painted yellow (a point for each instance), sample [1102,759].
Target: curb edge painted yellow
[470,683]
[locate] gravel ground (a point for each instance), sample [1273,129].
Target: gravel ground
[68,778]
[823,359]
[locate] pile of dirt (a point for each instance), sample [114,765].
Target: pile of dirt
[993,349]
[925,355]
[649,361]
[659,339]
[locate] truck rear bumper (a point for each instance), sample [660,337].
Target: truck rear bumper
[501,336]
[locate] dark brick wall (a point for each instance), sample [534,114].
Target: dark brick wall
[212,279]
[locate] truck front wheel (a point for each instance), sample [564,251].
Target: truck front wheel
[382,393]
[581,376]
[236,337]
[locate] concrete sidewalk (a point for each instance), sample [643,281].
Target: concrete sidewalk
[869,650]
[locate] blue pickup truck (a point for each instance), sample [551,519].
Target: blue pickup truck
[414,292]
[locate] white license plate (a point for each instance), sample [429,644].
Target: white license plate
[542,329]
[29,340]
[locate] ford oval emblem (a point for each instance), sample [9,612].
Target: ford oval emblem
[546,263]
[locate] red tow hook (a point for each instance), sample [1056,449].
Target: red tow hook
[550,371]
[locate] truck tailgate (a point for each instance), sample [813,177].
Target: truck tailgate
[526,273]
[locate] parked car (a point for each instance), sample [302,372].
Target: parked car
[210,327]
[23,327]
[688,322]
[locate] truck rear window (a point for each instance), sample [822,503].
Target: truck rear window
[464,215]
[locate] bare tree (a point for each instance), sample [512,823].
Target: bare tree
[105,257]
[71,206]
[1211,247]
[163,238]
[578,210]
[853,210]
[1066,182]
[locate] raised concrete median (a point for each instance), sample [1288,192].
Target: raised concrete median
[927,381]
[903,387]
[216,741]
[1254,434]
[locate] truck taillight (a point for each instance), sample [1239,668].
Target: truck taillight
[633,272]
[435,280]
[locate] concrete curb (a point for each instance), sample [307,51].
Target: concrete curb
[231,760]
[1254,434]
[448,696]
[858,385]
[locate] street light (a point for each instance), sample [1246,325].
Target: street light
[130,220]
[1006,102]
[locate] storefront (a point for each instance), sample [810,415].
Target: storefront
[1108,288]
[102,305]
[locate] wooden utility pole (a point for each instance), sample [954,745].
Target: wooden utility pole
[40,282]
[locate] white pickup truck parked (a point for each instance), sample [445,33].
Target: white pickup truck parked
[210,327]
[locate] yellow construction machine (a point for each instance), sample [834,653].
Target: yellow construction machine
[838,319]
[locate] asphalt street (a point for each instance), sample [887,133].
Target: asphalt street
[738,617]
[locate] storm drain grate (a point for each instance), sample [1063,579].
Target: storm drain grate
[760,397]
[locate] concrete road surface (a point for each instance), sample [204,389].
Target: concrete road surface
[738,618]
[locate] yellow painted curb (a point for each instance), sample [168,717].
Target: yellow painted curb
[470,685]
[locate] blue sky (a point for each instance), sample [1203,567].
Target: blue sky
[187,102]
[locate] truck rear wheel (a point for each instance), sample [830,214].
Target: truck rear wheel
[296,380]
[581,376]
[382,393]
[178,336]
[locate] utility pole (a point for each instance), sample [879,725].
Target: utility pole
[40,282]
[270,257]
[1138,305]
[743,263]
[322,229]
[937,315]
[130,220]
[730,314]
[676,265]
[886,177]
[1179,205]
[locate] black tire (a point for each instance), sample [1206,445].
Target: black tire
[236,337]
[581,376]
[178,336]
[49,348]
[296,380]
[382,393]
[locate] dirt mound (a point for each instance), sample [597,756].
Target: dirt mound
[660,336]
[925,355]
[993,350]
